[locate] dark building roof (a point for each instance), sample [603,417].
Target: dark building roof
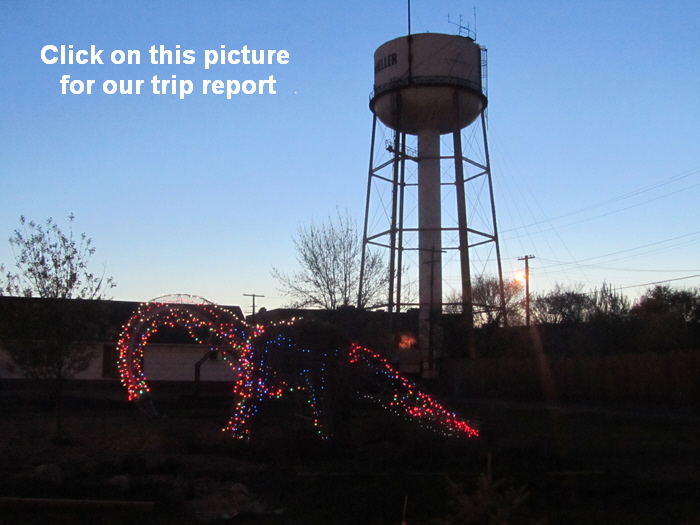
[103,319]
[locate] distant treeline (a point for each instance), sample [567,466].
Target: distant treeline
[588,348]
[566,322]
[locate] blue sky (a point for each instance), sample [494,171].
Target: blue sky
[594,127]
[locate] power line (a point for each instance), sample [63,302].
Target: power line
[659,282]
[543,224]
[647,284]
[642,246]
[533,198]
[581,262]
[556,264]
[613,200]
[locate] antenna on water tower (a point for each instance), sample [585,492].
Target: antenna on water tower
[428,85]
[464,30]
[409,17]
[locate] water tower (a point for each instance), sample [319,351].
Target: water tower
[420,202]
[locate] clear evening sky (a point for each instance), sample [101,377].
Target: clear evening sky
[594,130]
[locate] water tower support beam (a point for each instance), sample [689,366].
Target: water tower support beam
[429,240]
[493,218]
[399,254]
[364,234]
[392,232]
[467,300]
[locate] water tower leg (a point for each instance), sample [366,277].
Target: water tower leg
[429,246]
[467,300]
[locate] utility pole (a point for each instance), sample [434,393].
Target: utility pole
[527,258]
[253,295]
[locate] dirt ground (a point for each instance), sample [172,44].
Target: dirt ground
[571,465]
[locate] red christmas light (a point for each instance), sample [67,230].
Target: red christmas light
[248,350]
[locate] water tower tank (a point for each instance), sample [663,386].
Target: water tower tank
[428,81]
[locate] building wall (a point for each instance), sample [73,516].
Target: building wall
[177,362]
[161,363]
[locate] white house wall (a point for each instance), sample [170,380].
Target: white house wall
[161,363]
[176,363]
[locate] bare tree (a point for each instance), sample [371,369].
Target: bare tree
[683,304]
[609,305]
[329,255]
[562,305]
[45,337]
[52,264]
[486,298]
[570,305]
